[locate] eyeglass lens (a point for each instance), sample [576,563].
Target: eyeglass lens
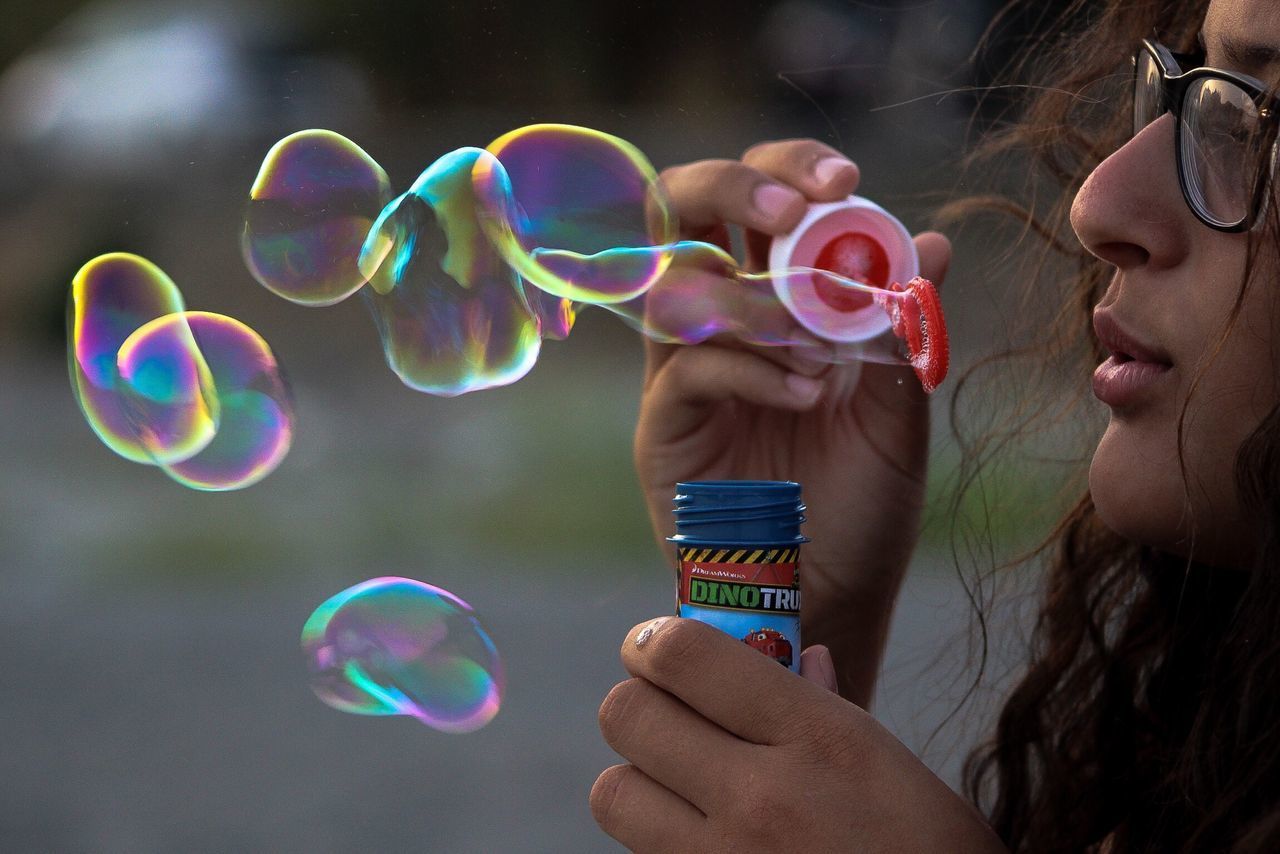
[1222,140]
[1221,148]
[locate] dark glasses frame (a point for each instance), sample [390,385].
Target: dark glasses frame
[1174,83]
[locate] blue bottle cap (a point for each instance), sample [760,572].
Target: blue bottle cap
[738,512]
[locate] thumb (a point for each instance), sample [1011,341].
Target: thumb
[816,666]
[934,251]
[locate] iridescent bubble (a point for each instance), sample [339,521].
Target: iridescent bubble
[255,427]
[452,315]
[703,294]
[310,210]
[111,296]
[167,389]
[395,646]
[590,198]
[198,394]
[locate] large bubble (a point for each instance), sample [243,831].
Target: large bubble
[310,210]
[452,314]
[493,250]
[578,213]
[395,646]
[198,394]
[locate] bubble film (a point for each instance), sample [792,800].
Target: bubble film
[310,210]
[198,394]
[395,646]
[255,427]
[493,250]
[167,389]
[451,313]
[703,294]
[111,296]
[591,198]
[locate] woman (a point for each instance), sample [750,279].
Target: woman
[1149,716]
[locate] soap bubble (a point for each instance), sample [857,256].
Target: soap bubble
[255,425]
[451,313]
[493,250]
[395,646]
[198,394]
[167,389]
[310,210]
[111,296]
[577,212]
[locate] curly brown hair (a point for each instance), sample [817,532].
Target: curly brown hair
[1148,718]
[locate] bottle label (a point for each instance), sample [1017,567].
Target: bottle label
[753,594]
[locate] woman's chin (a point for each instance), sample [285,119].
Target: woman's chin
[1137,492]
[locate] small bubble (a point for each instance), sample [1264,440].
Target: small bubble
[395,646]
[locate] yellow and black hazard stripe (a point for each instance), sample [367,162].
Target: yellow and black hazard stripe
[698,555]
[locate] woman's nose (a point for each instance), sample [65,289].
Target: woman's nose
[1130,211]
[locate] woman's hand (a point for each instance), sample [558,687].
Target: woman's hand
[729,751]
[857,443]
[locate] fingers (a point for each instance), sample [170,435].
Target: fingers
[642,814]
[817,667]
[695,378]
[819,171]
[767,191]
[709,193]
[698,298]
[659,734]
[934,250]
[724,680]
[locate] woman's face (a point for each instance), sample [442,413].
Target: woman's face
[1174,285]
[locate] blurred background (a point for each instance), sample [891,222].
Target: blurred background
[155,698]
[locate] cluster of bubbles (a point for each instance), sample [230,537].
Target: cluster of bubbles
[395,646]
[201,396]
[493,250]
[487,254]
[197,394]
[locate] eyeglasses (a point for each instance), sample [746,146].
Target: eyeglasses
[1226,133]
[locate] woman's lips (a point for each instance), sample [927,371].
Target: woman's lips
[1121,381]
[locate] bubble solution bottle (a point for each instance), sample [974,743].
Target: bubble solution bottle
[738,561]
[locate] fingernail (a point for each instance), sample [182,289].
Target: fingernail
[648,631]
[771,200]
[830,168]
[806,389]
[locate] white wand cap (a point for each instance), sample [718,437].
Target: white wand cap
[857,239]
